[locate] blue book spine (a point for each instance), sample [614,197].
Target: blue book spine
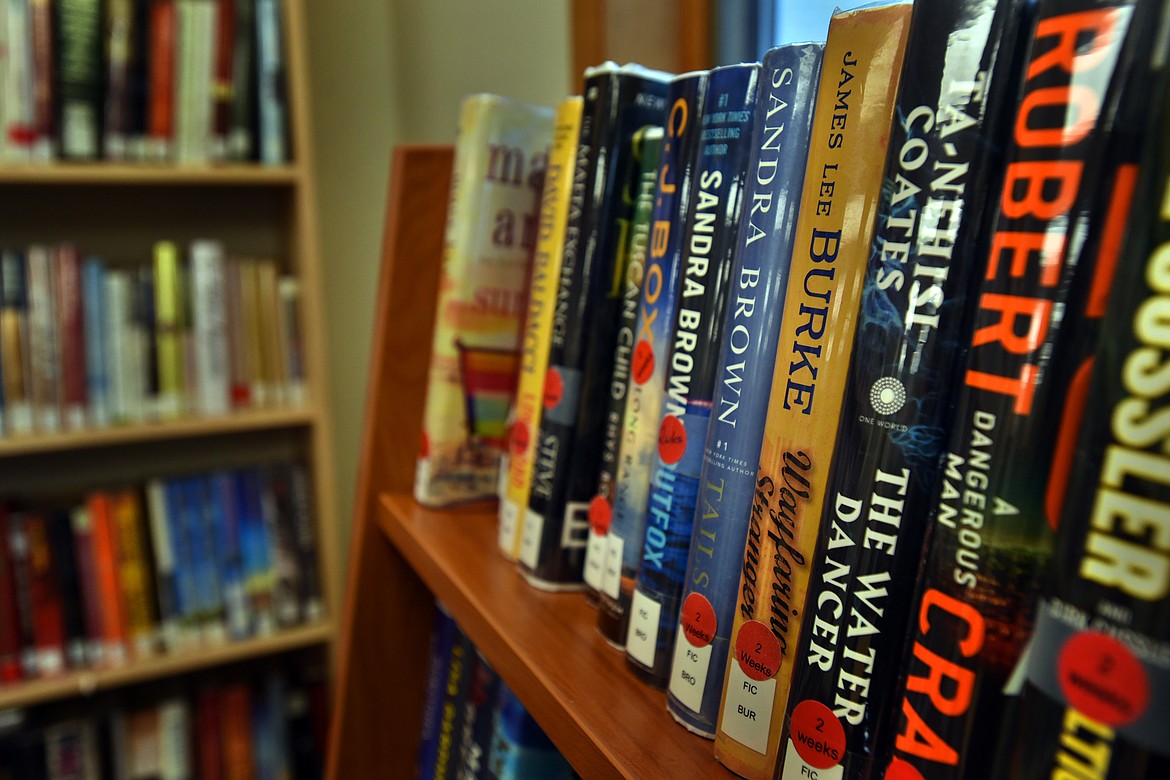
[709,242]
[520,748]
[648,366]
[201,533]
[93,305]
[439,650]
[186,598]
[225,520]
[731,454]
[255,552]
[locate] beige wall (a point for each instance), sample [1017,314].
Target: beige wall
[384,73]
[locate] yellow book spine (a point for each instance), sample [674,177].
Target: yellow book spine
[134,572]
[542,294]
[863,57]
[167,335]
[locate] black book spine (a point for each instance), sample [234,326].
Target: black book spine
[1097,695]
[565,467]
[65,563]
[648,152]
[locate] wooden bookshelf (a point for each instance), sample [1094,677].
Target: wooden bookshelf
[91,681]
[68,174]
[117,211]
[138,433]
[546,645]
[403,558]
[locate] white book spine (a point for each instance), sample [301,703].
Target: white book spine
[208,285]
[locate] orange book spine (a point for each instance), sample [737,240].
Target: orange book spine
[115,631]
[161,100]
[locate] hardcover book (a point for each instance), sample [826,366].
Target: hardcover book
[619,101]
[759,281]
[1095,702]
[601,506]
[863,55]
[79,78]
[534,344]
[638,449]
[945,154]
[500,158]
[1021,399]
[709,243]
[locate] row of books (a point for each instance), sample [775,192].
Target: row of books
[236,729]
[171,566]
[186,81]
[474,727]
[84,344]
[799,394]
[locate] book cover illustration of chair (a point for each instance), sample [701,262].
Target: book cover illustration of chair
[489,383]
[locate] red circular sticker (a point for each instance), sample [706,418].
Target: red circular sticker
[554,388]
[1102,678]
[698,620]
[672,439]
[520,438]
[901,770]
[643,361]
[757,650]
[817,734]
[600,515]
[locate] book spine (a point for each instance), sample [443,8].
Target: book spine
[160,105]
[209,302]
[228,554]
[98,363]
[119,345]
[240,143]
[41,43]
[10,630]
[458,672]
[69,582]
[223,82]
[256,551]
[567,458]
[759,279]
[115,633]
[287,595]
[79,78]
[438,652]
[84,552]
[272,363]
[291,340]
[208,730]
[236,722]
[709,240]
[672,192]
[500,157]
[144,353]
[18,557]
[272,103]
[14,346]
[648,152]
[477,724]
[535,338]
[45,598]
[44,355]
[120,53]
[134,572]
[187,600]
[168,343]
[201,533]
[1095,700]
[863,55]
[71,327]
[310,594]
[174,742]
[19,122]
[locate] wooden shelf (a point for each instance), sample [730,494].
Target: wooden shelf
[150,175]
[15,446]
[89,682]
[547,648]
